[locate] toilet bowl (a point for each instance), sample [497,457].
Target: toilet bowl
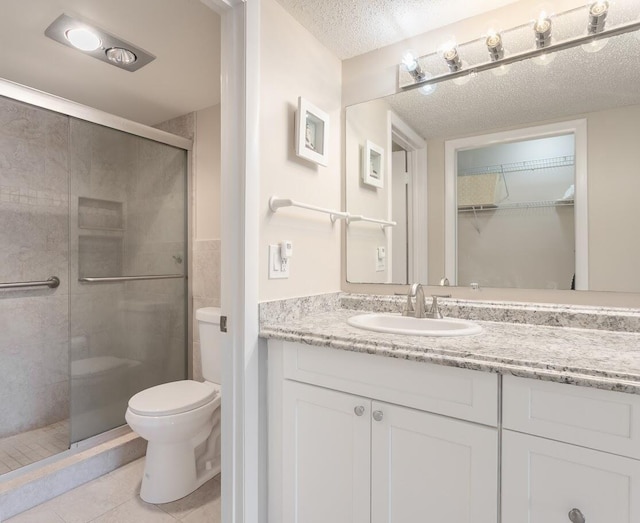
[181,422]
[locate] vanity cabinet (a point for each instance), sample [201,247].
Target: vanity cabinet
[351,439]
[567,448]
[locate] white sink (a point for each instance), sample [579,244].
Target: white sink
[398,324]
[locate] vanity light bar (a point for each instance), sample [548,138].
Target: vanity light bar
[525,55]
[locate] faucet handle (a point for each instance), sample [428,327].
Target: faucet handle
[435,312]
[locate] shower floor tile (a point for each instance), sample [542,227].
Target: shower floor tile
[28,447]
[114,498]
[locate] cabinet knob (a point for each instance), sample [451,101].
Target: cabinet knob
[377,415]
[575,516]
[359,410]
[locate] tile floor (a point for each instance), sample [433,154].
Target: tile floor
[113,498]
[34,445]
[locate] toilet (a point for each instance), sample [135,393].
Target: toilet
[181,422]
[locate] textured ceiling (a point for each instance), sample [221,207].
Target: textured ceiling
[353,27]
[184,35]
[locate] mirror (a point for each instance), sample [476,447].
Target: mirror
[599,89]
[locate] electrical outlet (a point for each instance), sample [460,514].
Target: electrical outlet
[278,269]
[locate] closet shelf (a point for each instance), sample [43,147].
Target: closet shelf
[528,165]
[519,205]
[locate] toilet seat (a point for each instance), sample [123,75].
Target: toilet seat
[173,398]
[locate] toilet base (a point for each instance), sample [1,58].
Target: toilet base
[170,473]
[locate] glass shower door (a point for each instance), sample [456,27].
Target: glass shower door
[128,271]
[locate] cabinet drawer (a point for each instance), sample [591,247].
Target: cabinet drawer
[459,393]
[543,480]
[594,418]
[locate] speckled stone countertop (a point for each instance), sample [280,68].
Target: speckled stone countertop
[587,357]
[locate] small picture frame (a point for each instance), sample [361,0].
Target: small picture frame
[312,133]
[373,164]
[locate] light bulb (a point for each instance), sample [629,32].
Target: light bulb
[494,46]
[83,39]
[121,56]
[597,17]
[542,30]
[409,61]
[411,64]
[451,56]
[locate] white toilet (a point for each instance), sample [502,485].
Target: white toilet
[181,422]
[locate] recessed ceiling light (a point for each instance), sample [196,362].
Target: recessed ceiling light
[83,39]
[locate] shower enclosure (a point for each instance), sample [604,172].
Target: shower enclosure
[102,212]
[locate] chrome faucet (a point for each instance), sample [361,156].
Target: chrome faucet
[415,291]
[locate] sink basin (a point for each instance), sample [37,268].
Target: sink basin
[410,326]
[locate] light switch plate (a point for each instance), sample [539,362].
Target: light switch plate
[277,270]
[381,258]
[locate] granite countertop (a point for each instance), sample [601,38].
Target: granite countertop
[588,357]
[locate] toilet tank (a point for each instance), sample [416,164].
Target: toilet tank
[209,328]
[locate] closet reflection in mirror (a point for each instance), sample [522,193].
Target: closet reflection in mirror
[515,214]
[597,89]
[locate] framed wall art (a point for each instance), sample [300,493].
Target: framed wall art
[373,164]
[312,133]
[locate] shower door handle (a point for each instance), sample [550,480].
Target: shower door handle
[113,279]
[52,283]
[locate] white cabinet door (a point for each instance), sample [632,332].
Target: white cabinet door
[326,455]
[543,480]
[432,469]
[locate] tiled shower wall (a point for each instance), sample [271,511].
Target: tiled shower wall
[34,323]
[203,127]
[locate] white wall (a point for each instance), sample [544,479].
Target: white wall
[366,123]
[614,155]
[293,63]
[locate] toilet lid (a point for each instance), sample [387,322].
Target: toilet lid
[172,398]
